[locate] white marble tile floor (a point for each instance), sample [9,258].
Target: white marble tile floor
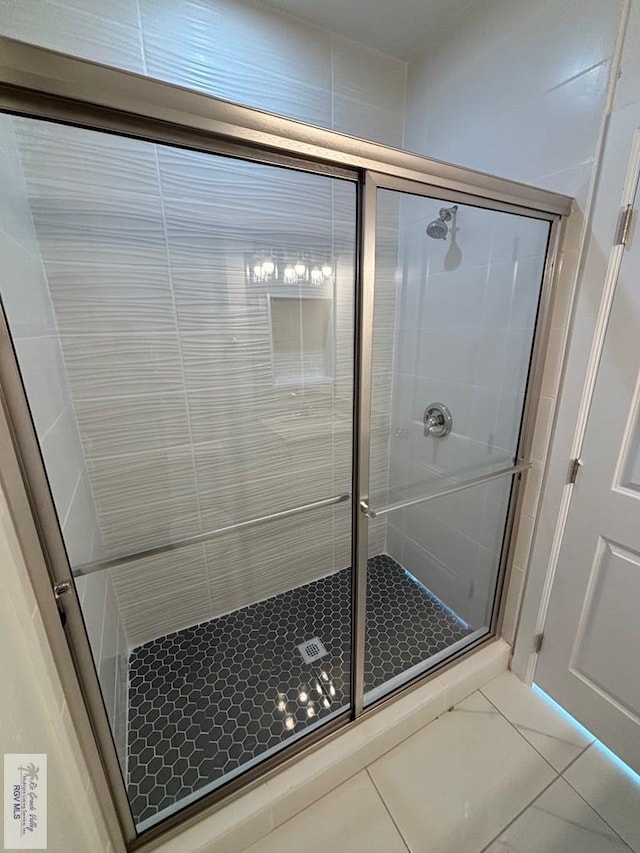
[504,771]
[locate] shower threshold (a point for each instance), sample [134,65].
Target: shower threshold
[207,702]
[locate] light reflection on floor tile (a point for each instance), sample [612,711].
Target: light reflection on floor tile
[556,737]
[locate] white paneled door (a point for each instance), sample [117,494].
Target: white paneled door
[590,657]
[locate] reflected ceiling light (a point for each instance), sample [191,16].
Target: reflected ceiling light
[289,722]
[269,267]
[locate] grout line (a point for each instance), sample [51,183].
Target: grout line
[546,788]
[520,813]
[577,76]
[143,55]
[591,805]
[388,810]
[573,760]
[516,729]
[558,774]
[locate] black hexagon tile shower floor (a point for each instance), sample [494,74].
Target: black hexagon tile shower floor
[207,700]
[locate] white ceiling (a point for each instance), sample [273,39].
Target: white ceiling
[399,27]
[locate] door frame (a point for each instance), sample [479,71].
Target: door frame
[43,84]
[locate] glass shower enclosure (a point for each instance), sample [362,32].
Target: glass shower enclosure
[272,399]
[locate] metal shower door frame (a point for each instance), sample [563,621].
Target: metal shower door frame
[42,84]
[372,183]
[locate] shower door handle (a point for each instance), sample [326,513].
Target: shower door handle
[519,468]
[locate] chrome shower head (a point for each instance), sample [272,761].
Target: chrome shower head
[438,229]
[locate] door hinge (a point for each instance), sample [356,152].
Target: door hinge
[624,223]
[574,468]
[537,643]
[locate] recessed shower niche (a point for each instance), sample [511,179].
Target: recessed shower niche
[301,338]
[226,444]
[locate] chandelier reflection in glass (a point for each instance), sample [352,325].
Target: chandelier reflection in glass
[269,268]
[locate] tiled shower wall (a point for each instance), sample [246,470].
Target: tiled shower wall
[465,322]
[135,316]
[241,51]
[27,303]
[518,89]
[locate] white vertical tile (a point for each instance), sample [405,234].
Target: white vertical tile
[63,460]
[107,667]
[25,296]
[97,37]
[512,603]
[43,374]
[93,612]
[80,529]
[243,53]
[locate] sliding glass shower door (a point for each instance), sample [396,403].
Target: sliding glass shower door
[183,325]
[456,295]
[251,395]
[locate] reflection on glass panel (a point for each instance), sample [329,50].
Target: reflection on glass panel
[465,311]
[457,290]
[184,329]
[432,590]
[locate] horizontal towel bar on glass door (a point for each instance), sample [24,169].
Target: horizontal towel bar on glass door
[114,562]
[449,490]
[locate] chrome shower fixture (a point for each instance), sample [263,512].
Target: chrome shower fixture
[438,229]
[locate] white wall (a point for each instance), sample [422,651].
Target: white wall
[518,89]
[34,714]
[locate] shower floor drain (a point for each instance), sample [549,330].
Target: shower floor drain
[312,650]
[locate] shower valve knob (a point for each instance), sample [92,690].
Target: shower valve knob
[437,420]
